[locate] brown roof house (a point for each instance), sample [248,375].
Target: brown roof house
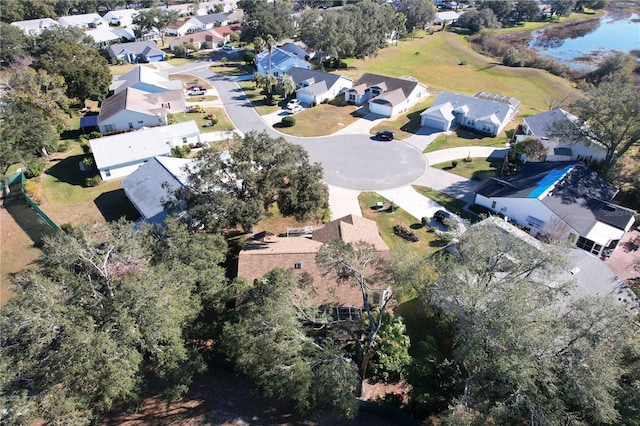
[265,252]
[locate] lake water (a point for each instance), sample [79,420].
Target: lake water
[612,34]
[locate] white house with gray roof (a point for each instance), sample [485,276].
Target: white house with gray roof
[278,62]
[34,27]
[119,155]
[314,87]
[153,183]
[567,200]
[145,78]
[386,96]
[538,127]
[86,20]
[484,112]
[121,17]
[137,51]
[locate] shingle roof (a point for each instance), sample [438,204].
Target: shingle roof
[211,18]
[350,229]
[111,151]
[407,84]
[323,80]
[538,123]
[476,108]
[145,75]
[572,191]
[133,99]
[148,187]
[136,48]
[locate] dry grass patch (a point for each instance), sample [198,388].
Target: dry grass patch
[189,80]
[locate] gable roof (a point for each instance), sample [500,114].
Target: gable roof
[406,84]
[207,35]
[211,18]
[312,78]
[79,20]
[482,106]
[351,229]
[148,187]
[279,58]
[137,48]
[539,123]
[100,35]
[572,191]
[133,99]
[35,25]
[295,49]
[110,151]
[145,78]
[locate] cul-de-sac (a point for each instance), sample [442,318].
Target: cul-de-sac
[295,212]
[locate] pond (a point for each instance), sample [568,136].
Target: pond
[578,49]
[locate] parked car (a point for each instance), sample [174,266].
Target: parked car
[295,108]
[227,48]
[293,103]
[442,215]
[385,135]
[196,91]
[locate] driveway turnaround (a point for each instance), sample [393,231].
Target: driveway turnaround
[350,161]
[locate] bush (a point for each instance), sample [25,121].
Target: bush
[33,190]
[92,181]
[86,148]
[478,209]
[95,135]
[63,146]
[89,164]
[288,121]
[425,222]
[454,163]
[405,233]
[67,228]
[34,168]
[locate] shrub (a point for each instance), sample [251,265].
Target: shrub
[67,228]
[92,181]
[89,164]
[197,109]
[425,222]
[34,168]
[33,190]
[63,146]
[86,148]
[288,121]
[454,163]
[405,233]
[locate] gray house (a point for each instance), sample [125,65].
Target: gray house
[484,112]
[314,87]
[153,183]
[137,51]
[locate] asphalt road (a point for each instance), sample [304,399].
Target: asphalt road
[349,161]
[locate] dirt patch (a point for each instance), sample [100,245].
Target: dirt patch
[191,80]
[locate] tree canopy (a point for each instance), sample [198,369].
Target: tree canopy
[526,351]
[266,18]
[604,116]
[418,13]
[105,303]
[259,172]
[154,20]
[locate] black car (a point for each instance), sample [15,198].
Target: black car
[385,135]
[442,215]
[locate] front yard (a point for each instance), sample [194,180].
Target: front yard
[462,137]
[203,121]
[474,168]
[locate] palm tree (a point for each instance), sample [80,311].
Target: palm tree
[286,85]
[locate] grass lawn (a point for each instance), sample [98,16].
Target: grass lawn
[463,137]
[257,97]
[476,169]
[189,80]
[232,68]
[429,242]
[194,99]
[452,204]
[435,59]
[224,123]
[320,120]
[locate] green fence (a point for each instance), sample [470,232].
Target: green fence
[19,178]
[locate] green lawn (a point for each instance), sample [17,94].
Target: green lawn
[429,242]
[463,137]
[232,68]
[201,98]
[320,120]
[476,169]
[202,119]
[435,59]
[452,204]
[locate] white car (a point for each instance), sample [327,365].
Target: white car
[293,103]
[295,108]
[196,91]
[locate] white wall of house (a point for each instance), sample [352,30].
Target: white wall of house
[128,120]
[518,209]
[381,109]
[122,170]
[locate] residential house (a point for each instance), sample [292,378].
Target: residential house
[182,27]
[228,29]
[448,17]
[85,21]
[278,62]
[120,17]
[137,51]
[264,252]
[104,37]
[153,183]
[146,79]
[386,96]
[34,27]
[225,6]
[132,109]
[120,155]
[295,49]
[207,22]
[559,149]
[207,39]
[483,112]
[315,87]
[565,200]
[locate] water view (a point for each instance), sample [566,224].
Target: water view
[612,33]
